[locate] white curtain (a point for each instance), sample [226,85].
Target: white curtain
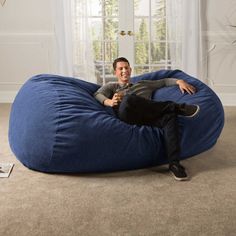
[83,57]
[174,31]
[74,45]
[63,34]
[185,21]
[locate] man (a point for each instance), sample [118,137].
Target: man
[132,104]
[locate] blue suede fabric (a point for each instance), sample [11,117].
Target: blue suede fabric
[56,125]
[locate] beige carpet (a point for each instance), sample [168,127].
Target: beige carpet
[142,202]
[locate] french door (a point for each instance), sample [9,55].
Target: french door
[135,29]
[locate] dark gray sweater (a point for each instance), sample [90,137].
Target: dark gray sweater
[143,88]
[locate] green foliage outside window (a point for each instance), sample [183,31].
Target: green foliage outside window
[150,47]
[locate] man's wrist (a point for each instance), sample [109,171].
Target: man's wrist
[107,102]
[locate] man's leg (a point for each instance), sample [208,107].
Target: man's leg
[168,123]
[140,111]
[170,127]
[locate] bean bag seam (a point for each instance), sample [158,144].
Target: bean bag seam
[57,125]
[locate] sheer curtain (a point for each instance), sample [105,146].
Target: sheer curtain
[83,58]
[63,34]
[75,49]
[74,45]
[184,19]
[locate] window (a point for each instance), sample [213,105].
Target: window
[137,30]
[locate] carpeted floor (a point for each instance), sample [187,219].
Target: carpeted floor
[141,202]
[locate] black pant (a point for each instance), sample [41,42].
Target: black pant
[140,111]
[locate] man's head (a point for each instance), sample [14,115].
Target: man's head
[122,70]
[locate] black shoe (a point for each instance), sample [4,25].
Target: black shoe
[187,110]
[178,171]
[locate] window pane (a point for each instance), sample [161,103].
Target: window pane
[141,8]
[158,29]
[111,29]
[111,7]
[97,50]
[109,75]
[95,7]
[160,67]
[141,29]
[141,53]
[141,70]
[96,28]
[111,51]
[176,52]
[106,71]
[158,8]
[159,52]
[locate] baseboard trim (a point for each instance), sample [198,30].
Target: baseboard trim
[227,99]
[7,96]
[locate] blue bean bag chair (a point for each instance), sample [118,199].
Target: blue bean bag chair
[56,125]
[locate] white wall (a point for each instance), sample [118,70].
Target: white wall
[221,41]
[27,45]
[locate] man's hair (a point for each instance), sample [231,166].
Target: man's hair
[119,59]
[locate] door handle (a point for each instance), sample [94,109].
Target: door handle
[122,33]
[130,33]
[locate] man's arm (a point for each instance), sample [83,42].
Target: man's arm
[107,101]
[114,101]
[157,84]
[100,97]
[185,87]
[107,96]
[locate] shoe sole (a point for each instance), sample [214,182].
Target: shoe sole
[195,113]
[180,178]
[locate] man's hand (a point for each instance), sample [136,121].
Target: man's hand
[116,99]
[186,87]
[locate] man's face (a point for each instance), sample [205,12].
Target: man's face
[123,72]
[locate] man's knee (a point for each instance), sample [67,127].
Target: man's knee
[130,110]
[130,100]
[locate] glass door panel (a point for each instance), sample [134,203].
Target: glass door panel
[151,45]
[104,18]
[135,29]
